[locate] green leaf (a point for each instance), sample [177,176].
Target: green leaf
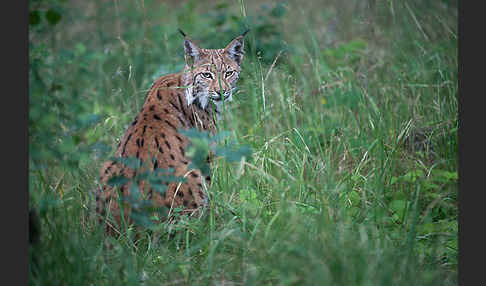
[198,154]
[398,207]
[141,218]
[134,198]
[220,136]
[354,211]
[198,149]
[53,17]
[430,186]
[117,181]
[250,200]
[233,152]
[80,48]
[222,5]
[193,133]
[89,120]
[130,162]
[355,198]
[34,18]
[279,10]
[159,188]
[446,175]
[412,176]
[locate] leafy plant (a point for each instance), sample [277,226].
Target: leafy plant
[201,144]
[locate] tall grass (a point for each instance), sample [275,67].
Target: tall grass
[351,113]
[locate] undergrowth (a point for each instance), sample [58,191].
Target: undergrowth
[349,109]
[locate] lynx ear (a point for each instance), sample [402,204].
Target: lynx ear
[234,49]
[192,52]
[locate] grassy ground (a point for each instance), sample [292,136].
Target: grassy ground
[350,108]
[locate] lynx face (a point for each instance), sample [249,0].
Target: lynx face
[211,74]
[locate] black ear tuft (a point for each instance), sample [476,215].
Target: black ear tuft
[182,33]
[245,32]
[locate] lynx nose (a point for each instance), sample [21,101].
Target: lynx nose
[221,93]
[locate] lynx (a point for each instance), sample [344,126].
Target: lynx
[192,98]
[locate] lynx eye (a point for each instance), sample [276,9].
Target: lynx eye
[229,73]
[207,75]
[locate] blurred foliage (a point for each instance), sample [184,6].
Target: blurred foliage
[201,147]
[45,11]
[345,54]
[265,40]
[59,117]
